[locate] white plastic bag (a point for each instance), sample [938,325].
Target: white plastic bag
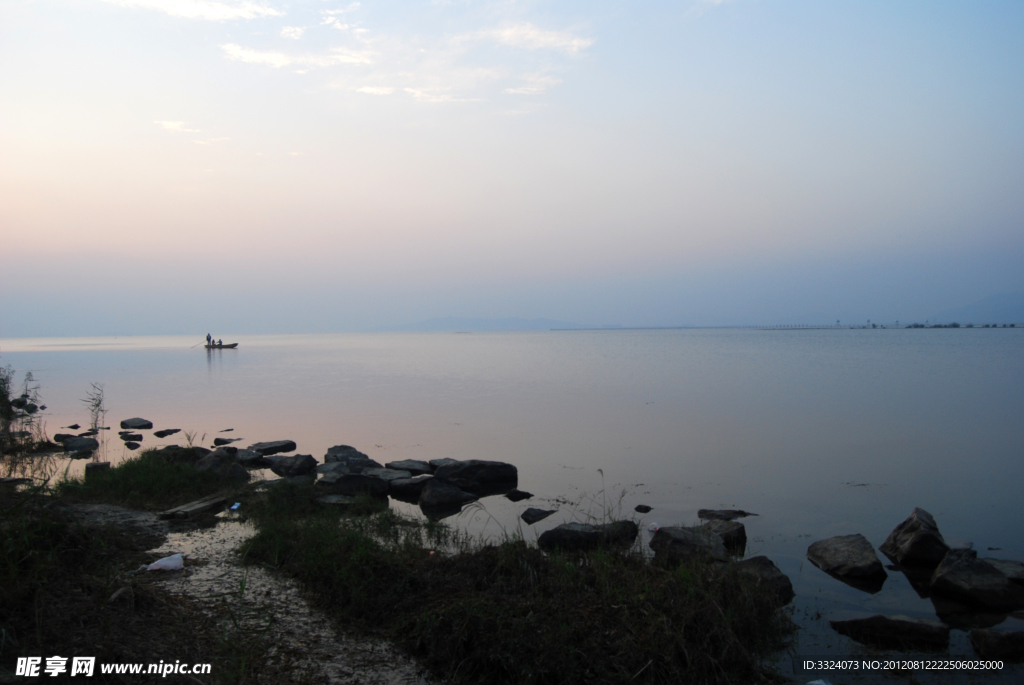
[171,563]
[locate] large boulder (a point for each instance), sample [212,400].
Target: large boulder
[352,484]
[733,534]
[297,465]
[673,543]
[723,514]
[587,536]
[136,424]
[273,447]
[1013,570]
[386,474]
[532,515]
[998,644]
[896,632]
[962,575]
[351,458]
[438,496]
[81,446]
[408,489]
[916,542]
[252,460]
[222,463]
[767,577]
[413,466]
[480,477]
[435,464]
[851,559]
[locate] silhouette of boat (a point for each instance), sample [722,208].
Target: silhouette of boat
[227,346]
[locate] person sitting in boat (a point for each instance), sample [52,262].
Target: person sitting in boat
[220,342]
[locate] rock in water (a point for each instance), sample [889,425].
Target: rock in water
[532,515]
[916,542]
[767,577]
[250,459]
[80,445]
[962,575]
[587,536]
[851,559]
[997,644]
[132,445]
[136,424]
[413,466]
[352,484]
[134,437]
[435,464]
[733,534]
[723,514]
[387,474]
[642,509]
[440,496]
[61,437]
[408,489]
[518,495]
[673,543]
[480,477]
[274,447]
[1013,570]
[896,632]
[217,442]
[353,460]
[298,465]
[166,432]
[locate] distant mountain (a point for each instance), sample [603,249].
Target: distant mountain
[454,323]
[1001,308]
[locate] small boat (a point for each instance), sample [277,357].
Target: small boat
[226,346]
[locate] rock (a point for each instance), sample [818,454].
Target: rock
[408,489]
[532,515]
[337,500]
[851,559]
[134,437]
[642,509]
[673,543]
[236,472]
[354,460]
[166,432]
[386,474]
[188,455]
[297,465]
[80,445]
[587,536]
[997,644]
[333,467]
[199,506]
[916,542]
[723,514]
[274,447]
[230,450]
[767,577]
[61,437]
[132,445]
[480,477]
[353,484]
[962,575]
[733,534]
[252,460]
[136,424]
[896,632]
[960,615]
[96,467]
[441,496]
[413,466]
[1013,570]
[227,441]
[518,495]
[73,427]
[435,464]
[89,433]
[212,461]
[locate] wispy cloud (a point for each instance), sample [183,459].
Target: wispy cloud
[293,32]
[530,37]
[176,126]
[535,84]
[277,60]
[210,141]
[210,10]
[375,90]
[434,95]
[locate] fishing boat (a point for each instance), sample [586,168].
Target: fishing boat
[225,346]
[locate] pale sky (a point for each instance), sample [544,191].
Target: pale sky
[174,166]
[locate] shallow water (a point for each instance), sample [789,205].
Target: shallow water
[821,432]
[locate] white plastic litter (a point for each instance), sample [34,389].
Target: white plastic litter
[235,506]
[653,527]
[171,563]
[819,682]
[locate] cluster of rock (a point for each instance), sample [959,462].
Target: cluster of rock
[82,445]
[969,592]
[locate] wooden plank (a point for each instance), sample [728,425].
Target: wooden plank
[198,507]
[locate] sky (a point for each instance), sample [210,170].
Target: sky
[177,166]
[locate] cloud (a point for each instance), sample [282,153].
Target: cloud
[176,126]
[293,32]
[434,95]
[530,37]
[210,10]
[334,22]
[210,141]
[535,84]
[375,90]
[280,59]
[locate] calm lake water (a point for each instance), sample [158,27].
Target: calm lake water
[820,432]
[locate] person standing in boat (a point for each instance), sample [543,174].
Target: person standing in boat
[208,339]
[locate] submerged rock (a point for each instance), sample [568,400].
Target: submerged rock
[723,514]
[532,515]
[414,466]
[480,477]
[916,542]
[851,559]
[298,465]
[767,577]
[518,495]
[587,536]
[137,424]
[273,447]
[441,496]
[733,534]
[61,437]
[408,489]
[896,632]
[997,644]
[673,543]
[962,575]
[166,432]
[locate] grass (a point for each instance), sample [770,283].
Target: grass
[153,480]
[508,613]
